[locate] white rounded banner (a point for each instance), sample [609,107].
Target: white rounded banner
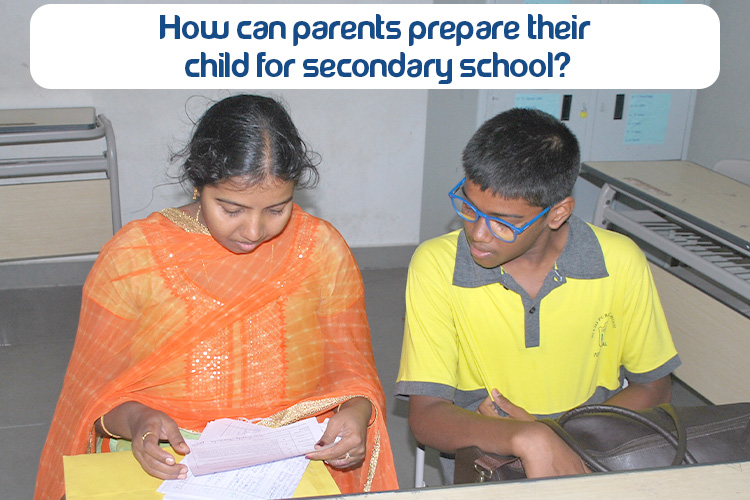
[374,46]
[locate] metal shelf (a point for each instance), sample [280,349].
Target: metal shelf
[715,263]
[57,125]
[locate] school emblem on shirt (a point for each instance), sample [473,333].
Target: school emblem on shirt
[604,323]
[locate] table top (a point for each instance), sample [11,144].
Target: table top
[690,191]
[44,119]
[689,482]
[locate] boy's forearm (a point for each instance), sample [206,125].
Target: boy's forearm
[441,425]
[640,396]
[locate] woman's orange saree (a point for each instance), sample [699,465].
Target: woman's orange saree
[172,319]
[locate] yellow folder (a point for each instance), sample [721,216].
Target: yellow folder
[119,476]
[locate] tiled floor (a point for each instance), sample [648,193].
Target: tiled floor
[37,327]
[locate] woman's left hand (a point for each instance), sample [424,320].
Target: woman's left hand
[349,424]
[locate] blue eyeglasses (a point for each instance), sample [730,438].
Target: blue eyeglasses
[499,228]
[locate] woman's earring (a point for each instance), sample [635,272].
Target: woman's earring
[195,193]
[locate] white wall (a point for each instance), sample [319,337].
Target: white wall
[371,142]
[451,121]
[721,123]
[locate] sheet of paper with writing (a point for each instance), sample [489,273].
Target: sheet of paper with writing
[228,444]
[239,460]
[260,482]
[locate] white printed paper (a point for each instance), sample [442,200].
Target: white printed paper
[261,482]
[239,460]
[231,444]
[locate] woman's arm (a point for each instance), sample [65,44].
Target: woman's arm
[350,424]
[145,428]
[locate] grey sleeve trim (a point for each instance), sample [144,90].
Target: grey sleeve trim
[405,389]
[463,399]
[656,374]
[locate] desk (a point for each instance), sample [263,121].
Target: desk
[714,202]
[694,482]
[694,225]
[675,483]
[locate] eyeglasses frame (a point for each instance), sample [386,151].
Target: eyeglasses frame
[487,218]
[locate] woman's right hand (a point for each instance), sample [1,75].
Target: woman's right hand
[146,427]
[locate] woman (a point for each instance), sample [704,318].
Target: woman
[237,305]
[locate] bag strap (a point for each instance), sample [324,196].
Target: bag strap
[593,463]
[681,452]
[679,443]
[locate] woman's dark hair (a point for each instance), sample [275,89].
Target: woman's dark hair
[524,154]
[249,137]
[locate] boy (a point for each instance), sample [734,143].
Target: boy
[528,311]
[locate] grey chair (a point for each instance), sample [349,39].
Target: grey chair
[738,170]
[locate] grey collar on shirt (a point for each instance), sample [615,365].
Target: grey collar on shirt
[581,258]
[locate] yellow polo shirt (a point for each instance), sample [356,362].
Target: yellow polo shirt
[596,320]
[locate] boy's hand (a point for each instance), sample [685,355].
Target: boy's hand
[488,407]
[542,452]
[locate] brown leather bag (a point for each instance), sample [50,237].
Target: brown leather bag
[613,438]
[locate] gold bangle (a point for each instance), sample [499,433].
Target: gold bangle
[101,422]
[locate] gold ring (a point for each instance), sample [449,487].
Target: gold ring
[347,456]
[143,438]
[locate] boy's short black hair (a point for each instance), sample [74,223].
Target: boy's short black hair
[524,154]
